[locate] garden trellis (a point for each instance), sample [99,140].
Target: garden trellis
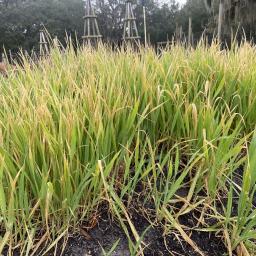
[91,28]
[43,45]
[130,33]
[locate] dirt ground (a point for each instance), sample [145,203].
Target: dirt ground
[107,233]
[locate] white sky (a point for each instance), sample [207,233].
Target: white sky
[181,2]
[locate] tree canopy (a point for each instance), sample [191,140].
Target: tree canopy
[20,19]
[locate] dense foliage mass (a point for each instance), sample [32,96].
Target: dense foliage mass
[77,130]
[20,20]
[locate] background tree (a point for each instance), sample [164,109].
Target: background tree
[199,15]
[20,22]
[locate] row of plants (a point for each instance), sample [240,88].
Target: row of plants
[87,127]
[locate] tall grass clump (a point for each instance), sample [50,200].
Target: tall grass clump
[82,129]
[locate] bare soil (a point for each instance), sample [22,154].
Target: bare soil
[107,232]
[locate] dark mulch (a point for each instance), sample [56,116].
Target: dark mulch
[91,242]
[107,232]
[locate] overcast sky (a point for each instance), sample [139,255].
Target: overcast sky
[181,2]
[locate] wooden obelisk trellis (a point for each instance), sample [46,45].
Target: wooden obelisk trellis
[43,45]
[130,34]
[91,29]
